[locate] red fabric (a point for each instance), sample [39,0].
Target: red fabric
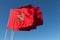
[32,18]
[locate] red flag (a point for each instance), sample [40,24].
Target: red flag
[25,18]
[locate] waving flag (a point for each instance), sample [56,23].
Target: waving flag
[25,18]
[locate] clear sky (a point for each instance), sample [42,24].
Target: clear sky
[50,30]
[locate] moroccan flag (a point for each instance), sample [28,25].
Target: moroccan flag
[25,18]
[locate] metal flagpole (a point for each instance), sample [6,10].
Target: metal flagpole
[5,37]
[12,35]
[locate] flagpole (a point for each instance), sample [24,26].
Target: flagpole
[12,35]
[5,37]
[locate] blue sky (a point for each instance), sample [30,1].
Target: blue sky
[50,30]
